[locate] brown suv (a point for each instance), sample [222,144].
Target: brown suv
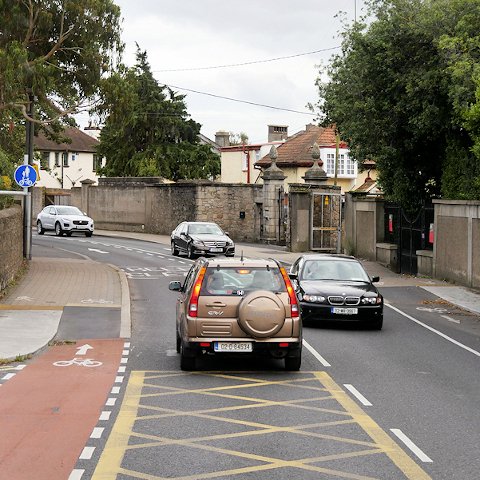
[237,307]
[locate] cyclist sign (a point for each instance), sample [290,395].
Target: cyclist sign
[26,176]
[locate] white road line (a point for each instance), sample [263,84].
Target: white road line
[125,352]
[97,432]
[110,402]
[115,390]
[87,453]
[126,345]
[105,415]
[446,337]
[421,455]
[121,369]
[119,379]
[357,394]
[76,474]
[124,360]
[19,367]
[450,319]
[8,376]
[315,354]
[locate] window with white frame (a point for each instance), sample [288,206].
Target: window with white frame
[341,164]
[45,160]
[57,159]
[65,159]
[350,166]
[97,162]
[330,164]
[244,162]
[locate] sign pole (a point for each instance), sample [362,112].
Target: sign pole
[27,212]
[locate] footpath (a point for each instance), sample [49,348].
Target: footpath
[31,311]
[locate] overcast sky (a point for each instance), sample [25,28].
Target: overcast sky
[194,34]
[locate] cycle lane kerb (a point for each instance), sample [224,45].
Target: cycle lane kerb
[50,408]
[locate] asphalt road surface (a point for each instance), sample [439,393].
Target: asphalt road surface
[396,404]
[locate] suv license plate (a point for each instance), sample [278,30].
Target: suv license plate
[345,311]
[233,347]
[216,250]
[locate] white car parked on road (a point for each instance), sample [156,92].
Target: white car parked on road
[64,219]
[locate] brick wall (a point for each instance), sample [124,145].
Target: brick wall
[11,243]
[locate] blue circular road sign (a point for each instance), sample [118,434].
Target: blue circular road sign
[25,176]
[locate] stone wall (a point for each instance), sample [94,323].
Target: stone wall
[159,208]
[11,243]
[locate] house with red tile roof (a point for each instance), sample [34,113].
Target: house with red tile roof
[295,158]
[65,165]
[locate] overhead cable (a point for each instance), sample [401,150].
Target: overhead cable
[240,101]
[247,63]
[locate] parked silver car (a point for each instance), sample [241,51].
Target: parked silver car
[64,219]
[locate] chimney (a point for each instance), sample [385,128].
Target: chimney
[277,133]
[222,138]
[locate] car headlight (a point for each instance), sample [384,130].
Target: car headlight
[314,298]
[371,300]
[230,243]
[198,243]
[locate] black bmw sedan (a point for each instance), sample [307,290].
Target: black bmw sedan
[201,239]
[336,287]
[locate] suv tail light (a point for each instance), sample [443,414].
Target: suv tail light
[193,304]
[291,293]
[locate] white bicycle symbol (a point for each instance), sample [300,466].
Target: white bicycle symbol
[81,362]
[433,310]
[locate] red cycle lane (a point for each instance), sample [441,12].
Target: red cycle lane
[48,412]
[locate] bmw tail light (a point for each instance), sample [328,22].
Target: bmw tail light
[193,304]
[291,294]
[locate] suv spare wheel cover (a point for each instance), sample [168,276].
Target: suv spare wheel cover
[261,314]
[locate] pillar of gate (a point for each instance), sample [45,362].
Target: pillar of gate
[273,179]
[303,205]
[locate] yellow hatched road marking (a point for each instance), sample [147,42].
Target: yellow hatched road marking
[110,463]
[394,452]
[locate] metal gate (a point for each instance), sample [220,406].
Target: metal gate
[326,222]
[410,232]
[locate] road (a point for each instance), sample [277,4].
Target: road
[395,404]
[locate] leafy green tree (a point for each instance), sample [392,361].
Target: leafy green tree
[148,131]
[238,138]
[57,50]
[393,96]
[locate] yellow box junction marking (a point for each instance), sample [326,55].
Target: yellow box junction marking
[110,463]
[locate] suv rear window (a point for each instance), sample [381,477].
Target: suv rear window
[241,280]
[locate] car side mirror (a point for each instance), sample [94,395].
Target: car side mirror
[375,279]
[227,234]
[293,276]
[176,286]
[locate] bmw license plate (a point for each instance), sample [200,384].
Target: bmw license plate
[233,346]
[345,311]
[216,250]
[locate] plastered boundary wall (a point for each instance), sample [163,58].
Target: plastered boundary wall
[11,243]
[456,250]
[160,208]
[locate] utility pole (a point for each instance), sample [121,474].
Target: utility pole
[27,205]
